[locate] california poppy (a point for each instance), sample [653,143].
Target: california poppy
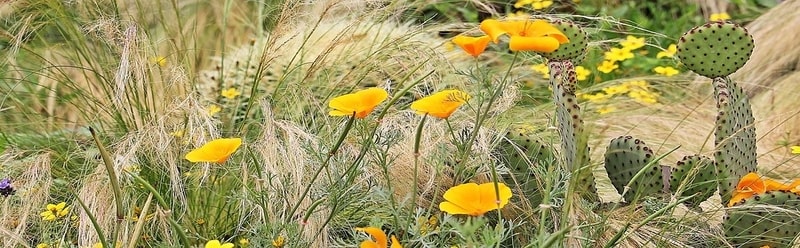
[750,185]
[472,45]
[216,151]
[380,239]
[360,103]
[441,104]
[525,35]
[473,199]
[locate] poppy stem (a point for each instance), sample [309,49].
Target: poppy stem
[324,165]
[417,139]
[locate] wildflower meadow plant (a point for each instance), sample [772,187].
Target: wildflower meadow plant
[215,151]
[475,199]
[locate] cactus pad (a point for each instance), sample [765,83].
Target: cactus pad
[768,219]
[703,180]
[570,126]
[522,154]
[624,158]
[716,49]
[734,137]
[575,50]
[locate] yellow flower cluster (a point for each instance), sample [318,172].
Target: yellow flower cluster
[638,90]
[666,70]
[581,73]
[669,52]
[619,54]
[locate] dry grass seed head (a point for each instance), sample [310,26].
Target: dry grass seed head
[33,185]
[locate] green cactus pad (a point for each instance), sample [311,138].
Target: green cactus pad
[624,158]
[570,127]
[575,50]
[734,137]
[522,154]
[716,49]
[769,219]
[703,182]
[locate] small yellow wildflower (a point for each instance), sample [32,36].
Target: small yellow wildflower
[618,54]
[582,73]
[42,245]
[640,84]
[617,89]
[535,4]
[231,93]
[597,98]
[177,133]
[243,242]
[795,149]
[213,110]
[607,66]
[519,15]
[719,17]
[55,211]
[542,68]
[666,70]
[216,244]
[160,61]
[606,110]
[643,96]
[669,52]
[632,43]
[278,242]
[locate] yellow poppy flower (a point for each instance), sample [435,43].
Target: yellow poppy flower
[472,45]
[669,52]
[750,185]
[216,151]
[441,104]
[216,244]
[380,239]
[361,102]
[473,199]
[525,35]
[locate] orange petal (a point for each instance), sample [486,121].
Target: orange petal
[737,197]
[493,28]
[541,28]
[775,185]
[377,233]
[395,243]
[215,151]
[472,45]
[360,103]
[462,199]
[488,190]
[751,182]
[441,104]
[537,44]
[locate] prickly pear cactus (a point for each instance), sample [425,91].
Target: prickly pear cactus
[624,158]
[697,173]
[716,50]
[768,219]
[575,50]
[570,127]
[522,153]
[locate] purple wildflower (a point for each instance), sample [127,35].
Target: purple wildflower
[5,187]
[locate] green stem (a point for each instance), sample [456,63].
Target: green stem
[417,139]
[168,213]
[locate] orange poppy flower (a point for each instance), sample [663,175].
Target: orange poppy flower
[441,104]
[216,151]
[473,199]
[525,35]
[380,239]
[361,102]
[472,45]
[750,185]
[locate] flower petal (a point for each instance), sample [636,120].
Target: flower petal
[751,182]
[493,28]
[377,233]
[542,28]
[472,45]
[395,243]
[488,189]
[737,197]
[537,44]
[215,151]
